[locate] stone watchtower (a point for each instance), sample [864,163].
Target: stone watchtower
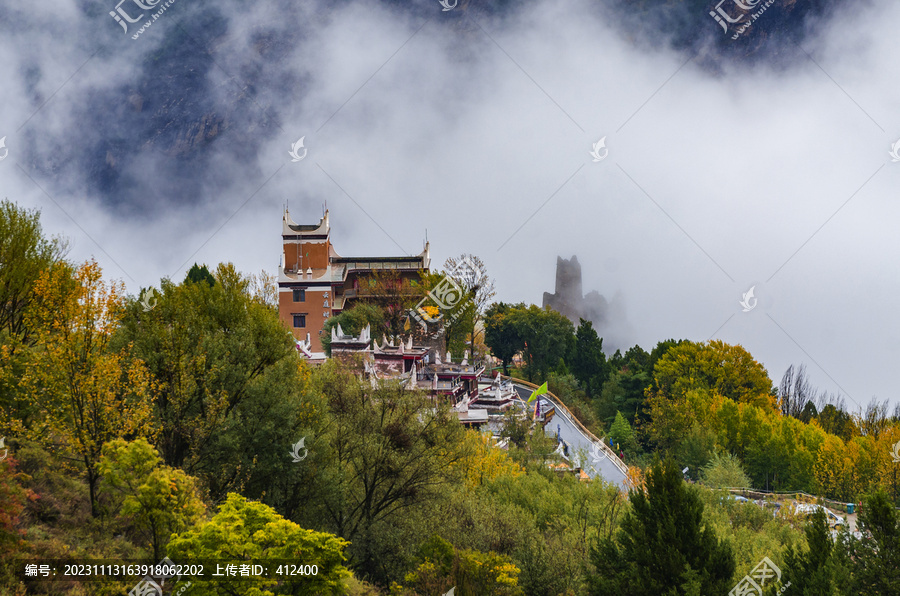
[568,298]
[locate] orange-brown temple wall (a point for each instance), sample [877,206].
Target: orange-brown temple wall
[314,309]
[296,254]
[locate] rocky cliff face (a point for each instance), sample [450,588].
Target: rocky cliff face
[608,317]
[567,298]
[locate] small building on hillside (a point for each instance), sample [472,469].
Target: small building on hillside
[462,377]
[383,361]
[415,367]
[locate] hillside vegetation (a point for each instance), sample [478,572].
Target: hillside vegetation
[183,424]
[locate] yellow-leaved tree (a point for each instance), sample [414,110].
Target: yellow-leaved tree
[152,500]
[468,572]
[294,560]
[483,461]
[84,393]
[887,464]
[834,469]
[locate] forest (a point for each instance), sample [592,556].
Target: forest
[136,431]
[700,400]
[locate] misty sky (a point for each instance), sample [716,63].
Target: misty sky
[152,153]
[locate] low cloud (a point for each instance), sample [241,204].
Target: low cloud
[760,163]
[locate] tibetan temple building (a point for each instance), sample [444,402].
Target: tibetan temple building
[314,282]
[313,274]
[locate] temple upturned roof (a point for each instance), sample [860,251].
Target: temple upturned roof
[290,227]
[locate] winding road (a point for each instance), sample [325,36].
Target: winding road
[595,458]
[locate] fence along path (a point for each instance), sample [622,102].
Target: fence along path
[564,411]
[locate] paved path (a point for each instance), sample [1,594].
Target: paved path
[594,461]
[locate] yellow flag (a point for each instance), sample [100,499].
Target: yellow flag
[539,391]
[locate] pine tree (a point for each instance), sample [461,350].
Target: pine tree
[198,274]
[620,431]
[877,554]
[588,362]
[662,546]
[811,572]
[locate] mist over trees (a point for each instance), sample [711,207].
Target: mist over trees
[136,430]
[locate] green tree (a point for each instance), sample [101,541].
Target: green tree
[156,500]
[620,431]
[636,358]
[663,546]
[837,422]
[587,360]
[624,391]
[228,387]
[809,412]
[548,337]
[500,334]
[696,449]
[877,553]
[393,295]
[264,288]
[567,389]
[716,367]
[453,316]
[660,350]
[24,255]
[724,470]
[812,572]
[390,452]
[354,320]
[470,572]
[515,428]
[253,533]
[197,274]
[625,387]
[458,327]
